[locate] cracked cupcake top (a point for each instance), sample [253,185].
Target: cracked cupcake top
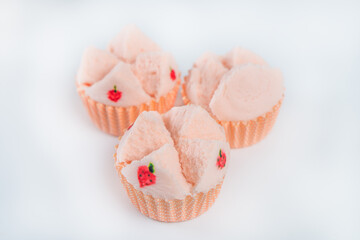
[179,153]
[238,86]
[132,70]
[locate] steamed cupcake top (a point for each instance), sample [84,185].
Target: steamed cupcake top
[133,70]
[179,153]
[238,86]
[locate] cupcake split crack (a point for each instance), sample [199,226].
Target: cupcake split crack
[120,79]
[167,180]
[249,91]
[185,162]
[153,69]
[94,66]
[192,122]
[204,79]
[147,134]
[198,158]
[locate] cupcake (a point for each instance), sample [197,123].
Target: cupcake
[239,90]
[173,165]
[133,75]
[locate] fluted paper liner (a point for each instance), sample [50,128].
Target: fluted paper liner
[163,210]
[115,120]
[241,134]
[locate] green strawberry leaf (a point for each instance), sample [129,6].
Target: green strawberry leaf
[220,153]
[151,168]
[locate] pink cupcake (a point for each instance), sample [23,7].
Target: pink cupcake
[133,75]
[173,166]
[239,90]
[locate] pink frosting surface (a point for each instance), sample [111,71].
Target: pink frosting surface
[236,87]
[246,92]
[194,157]
[148,71]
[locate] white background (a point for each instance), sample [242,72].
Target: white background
[57,179]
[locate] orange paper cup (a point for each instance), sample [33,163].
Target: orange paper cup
[241,134]
[163,210]
[115,120]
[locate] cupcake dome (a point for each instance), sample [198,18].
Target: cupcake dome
[130,42]
[172,174]
[247,92]
[238,89]
[131,76]
[240,56]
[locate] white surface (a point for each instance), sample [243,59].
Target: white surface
[57,179]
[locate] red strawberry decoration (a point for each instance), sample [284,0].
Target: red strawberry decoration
[172,74]
[114,95]
[146,175]
[221,160]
